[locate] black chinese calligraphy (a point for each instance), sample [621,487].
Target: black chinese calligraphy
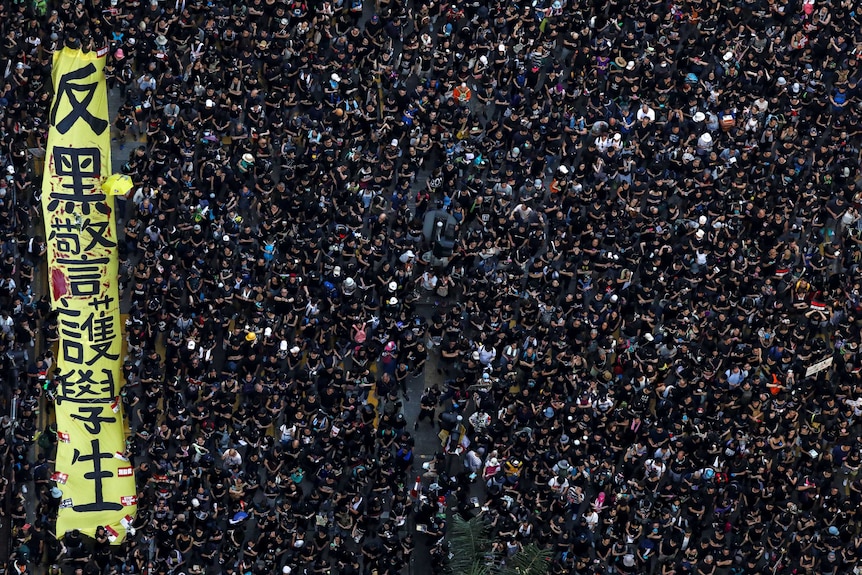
[87,386]
[85,275]
[97,476]
[71,235]
[98,330]
[79,170]
[71,85]
[92,418]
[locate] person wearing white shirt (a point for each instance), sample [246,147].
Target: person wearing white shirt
[559,484]
[6,323]
[603,143]
[655,467]
[428,281]
[646,112]
[487,354]
[231,458]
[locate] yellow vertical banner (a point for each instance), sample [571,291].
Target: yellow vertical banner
[96,479]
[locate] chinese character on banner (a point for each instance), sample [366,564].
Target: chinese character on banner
[85,276]
[79,170]
[86,386]
[92,418]
[74,90]
[99,331]
[98,475]
[69,233]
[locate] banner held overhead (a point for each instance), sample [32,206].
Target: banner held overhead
[96,478]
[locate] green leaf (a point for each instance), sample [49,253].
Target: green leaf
[531,560]
[469,541]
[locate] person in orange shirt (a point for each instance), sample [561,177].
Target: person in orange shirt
[462,93]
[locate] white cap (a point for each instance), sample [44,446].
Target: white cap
[614,298]
[393,286]
[335,78]
[394,143]
[484,60]
[701,220]
[699,117]
[699,234]
[267,332]
[564,170]
[728,56]
[209,103]
[294,349]
[283,345]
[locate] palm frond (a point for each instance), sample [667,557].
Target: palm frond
[531,560]
[474,569]
[469,542]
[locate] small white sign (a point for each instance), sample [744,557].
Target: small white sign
[819,366]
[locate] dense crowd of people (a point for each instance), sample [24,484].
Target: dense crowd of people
[651,253]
